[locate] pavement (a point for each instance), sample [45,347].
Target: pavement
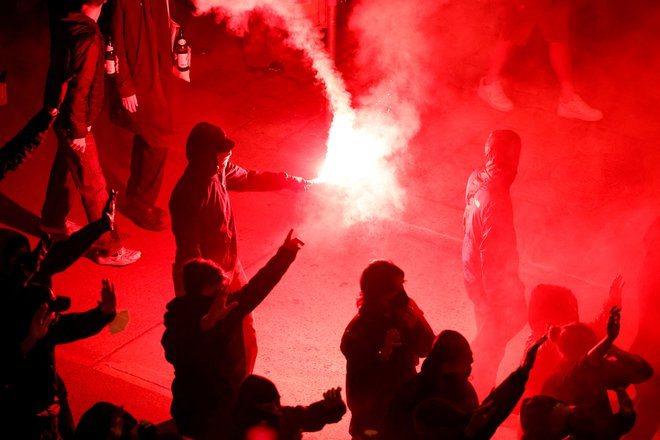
[583,198]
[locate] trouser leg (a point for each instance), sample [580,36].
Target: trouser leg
[147,171]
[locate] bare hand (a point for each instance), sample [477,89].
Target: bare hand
[332,398]
[300,184]
[130,103]
[530,356]
[108,214]
[78,145]
[220,309]
[40,323]
[409,314]
[108,301]
[292,243]
[614,323]
[392,340]
[616,292]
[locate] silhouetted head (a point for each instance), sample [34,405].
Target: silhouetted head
[381,286]
[451,356]
[503,154]
[551,305]
[544,418]
[204,278]
[107,421]
[573,340]
[439,419]
[208,148]
[258,403]
[28,301]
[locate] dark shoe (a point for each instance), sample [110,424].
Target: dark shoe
[149,218]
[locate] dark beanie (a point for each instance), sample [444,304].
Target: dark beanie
[205,140]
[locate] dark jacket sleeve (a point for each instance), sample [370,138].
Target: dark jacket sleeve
[187,235]
[64,253]
[71,327]
[85,53]
[241,179]
[260,285]
[313,417]
[124,76]
[498,405]
[26,141]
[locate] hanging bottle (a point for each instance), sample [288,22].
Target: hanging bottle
[181,52]
[110,59]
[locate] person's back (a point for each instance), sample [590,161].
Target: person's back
[208,366]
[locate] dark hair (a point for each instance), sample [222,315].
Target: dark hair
[449,346]
[377,277]
[199,273]
[551,305]
[573,340]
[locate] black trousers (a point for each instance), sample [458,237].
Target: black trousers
[147,171]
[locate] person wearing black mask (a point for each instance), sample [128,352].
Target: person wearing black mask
[382,346]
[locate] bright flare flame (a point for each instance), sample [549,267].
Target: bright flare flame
[359,142]
[356,162]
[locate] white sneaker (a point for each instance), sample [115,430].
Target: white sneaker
[576,108]
[493,95]
[68,228]
[123,257]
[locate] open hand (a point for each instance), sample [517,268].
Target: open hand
[332,398]
[616,292]
[78,145]
[292,243]
[530,356]
[220,309]
[108,301]
[130,103]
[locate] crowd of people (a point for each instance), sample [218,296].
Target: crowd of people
[564,377]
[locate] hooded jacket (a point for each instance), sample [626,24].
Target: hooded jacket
[490,255]
[209,366]
[202,217]
[76,57]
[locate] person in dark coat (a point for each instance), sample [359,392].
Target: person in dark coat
[590,368]
[141,38]
[547,418]
[447,419]
[202,217]
[30,398]
[382,346]
[647,341]
[490,256]
[203,340]
[258,404]
[444,375]
[77,58]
